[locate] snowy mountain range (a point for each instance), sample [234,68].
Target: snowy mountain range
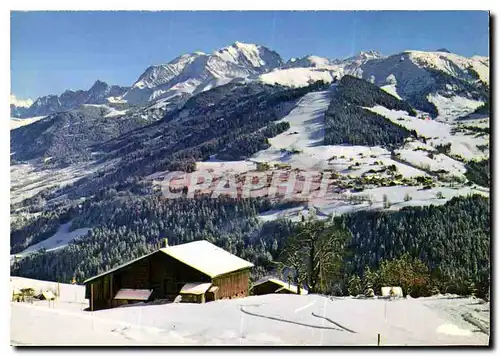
[195,72]
[97,94]
[372,133]
[412,75]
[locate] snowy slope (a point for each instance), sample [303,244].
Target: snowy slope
[463,144]
[306,131]
[307,61]
[300,72]
[454,107]
[274,319]
[391,89]
[16,122]
[453,64]
[299,77]
[413,74]
[373,171]
[60,239]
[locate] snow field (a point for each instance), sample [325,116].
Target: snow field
[272,319]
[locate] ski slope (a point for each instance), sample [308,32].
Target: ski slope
[307,131]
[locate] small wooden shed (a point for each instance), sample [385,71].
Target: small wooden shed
[194,292]
[168,271]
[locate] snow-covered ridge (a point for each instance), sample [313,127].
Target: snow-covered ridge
[308,61]
[453,64]
[71,99]
[299,77]
[16,122]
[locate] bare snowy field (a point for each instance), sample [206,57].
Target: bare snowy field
[259,320]
[60,239]
[28,179]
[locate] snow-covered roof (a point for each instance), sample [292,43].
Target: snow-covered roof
[200,255]
[283,285]
[133,294]
[206,258]
[195,288]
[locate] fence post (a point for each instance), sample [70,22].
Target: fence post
[92,297]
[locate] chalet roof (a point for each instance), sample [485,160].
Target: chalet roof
[283,285]
[207,258]
[200,255]
[195,288]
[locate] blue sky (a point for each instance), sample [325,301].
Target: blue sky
[55,51]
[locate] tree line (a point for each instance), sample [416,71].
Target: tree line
[423,249]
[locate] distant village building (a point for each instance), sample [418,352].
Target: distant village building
[275,285]
[198,271]
[392,292]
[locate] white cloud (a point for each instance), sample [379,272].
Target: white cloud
[20,102]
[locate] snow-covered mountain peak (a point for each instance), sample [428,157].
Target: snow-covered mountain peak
[195,72]
[364,56]
[250,54]
[308,61]
[370,54]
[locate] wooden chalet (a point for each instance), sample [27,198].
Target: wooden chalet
[274,285]
[198,271]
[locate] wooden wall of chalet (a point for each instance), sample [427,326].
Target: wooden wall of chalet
[159,272]
[176,275]
[232,285]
